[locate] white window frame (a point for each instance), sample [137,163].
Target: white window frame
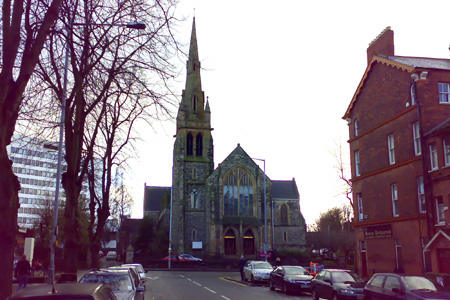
[444,92]
[440,212]
[416,137]
[357,161]
[391,148]
[394,197]
[360,207]
[421,194]
[413,95]
[398,248]
[356,127]
[446,146]
[433,157]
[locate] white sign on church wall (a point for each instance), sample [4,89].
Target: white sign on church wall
[197,245]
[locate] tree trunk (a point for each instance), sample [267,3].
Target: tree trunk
[95,261]
[71,235]
[9,204]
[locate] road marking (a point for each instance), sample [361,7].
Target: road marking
[189,279]
[152,278]
[210,290]
[196,283]
[226,298]
[182,275]
[232,281]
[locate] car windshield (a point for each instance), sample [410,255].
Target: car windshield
[295,271]
[419,283]
[341,277]
[262,265]
[116,282]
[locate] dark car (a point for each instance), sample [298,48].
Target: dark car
[395,286]
[92,291]
[337,284]
[290,279]
[120,282]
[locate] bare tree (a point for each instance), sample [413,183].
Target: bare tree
[342,168]
[25,26]
[107,64]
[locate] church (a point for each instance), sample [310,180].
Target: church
[228,211]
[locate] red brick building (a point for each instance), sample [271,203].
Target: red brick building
[399,124]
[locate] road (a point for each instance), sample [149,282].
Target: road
[185,285]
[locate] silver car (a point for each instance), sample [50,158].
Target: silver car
[257,271]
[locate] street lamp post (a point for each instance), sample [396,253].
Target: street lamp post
[132,25]
[265,209]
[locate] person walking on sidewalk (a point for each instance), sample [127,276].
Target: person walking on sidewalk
[23,269]
[241,267]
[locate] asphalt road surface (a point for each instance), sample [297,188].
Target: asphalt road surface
[185,285]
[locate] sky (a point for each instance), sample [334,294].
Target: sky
[279,76]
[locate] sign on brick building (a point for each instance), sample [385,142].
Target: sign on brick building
[378,232]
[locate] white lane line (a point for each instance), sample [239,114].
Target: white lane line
[210,290]
[189,279]
[152,278]
[226,298]
[196,283]
[182,275]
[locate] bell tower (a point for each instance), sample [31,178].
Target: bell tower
[193,158]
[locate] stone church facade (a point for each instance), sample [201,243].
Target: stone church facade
[220,212]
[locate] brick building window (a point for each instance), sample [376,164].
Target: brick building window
[443,92]
[360,207]
[394,196]
[433,157]
[398,256]
[357,173]
[416,136]
[413,95]
[356,127]
[391,149]
[421,194]
[440,212]
[446,144]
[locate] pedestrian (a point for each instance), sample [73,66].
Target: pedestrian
[241,267]
[277,262]
[22,272]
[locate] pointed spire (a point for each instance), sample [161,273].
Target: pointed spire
[193,49]
[207,109]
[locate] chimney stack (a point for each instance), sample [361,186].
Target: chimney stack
[383,44]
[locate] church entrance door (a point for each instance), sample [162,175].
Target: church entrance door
[249,243]
[230,243]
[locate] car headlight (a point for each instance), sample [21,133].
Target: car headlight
[344,291]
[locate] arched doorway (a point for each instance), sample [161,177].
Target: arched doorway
[249,243]
[230,243]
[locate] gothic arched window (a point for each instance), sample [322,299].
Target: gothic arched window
[190,145]
[199,145]
[284,214]
[194,199]
[238,193]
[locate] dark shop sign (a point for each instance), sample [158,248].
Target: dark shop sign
[378,232]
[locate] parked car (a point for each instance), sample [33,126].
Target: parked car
[337,284]
[100,254]
[111,255]
[139,268]
[190,257]
[119,281]
[255,270]
[138,282]
[83,291]
[403,287]
[290,279]
[174,257]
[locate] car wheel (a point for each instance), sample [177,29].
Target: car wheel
[253,279]
[314,295]
[272,288]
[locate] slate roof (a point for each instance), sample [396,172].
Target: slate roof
[153,196]
[285,189]
[422,62]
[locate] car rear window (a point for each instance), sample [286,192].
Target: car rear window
[116,282]
[263,266]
